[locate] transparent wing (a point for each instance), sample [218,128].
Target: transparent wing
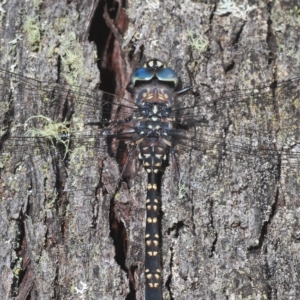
[44,119]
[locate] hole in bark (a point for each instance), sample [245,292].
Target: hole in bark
[132,293]
[118,234]
[102,36]
[109,23]
[107,28]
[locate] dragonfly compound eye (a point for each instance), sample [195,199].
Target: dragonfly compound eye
[167,75]
[154,68]
[142,74]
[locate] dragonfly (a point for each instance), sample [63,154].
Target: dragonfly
[163,127]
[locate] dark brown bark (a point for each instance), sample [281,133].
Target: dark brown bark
[232,234]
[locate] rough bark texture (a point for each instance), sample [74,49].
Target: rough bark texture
[232,232]
[53,245]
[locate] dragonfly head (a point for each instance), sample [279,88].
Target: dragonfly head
[153,69]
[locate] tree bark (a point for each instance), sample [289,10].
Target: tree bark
[229,224]
[55,235]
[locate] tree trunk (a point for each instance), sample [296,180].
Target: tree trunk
[229,224]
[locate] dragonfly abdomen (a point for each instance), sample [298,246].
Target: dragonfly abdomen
[153,157]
